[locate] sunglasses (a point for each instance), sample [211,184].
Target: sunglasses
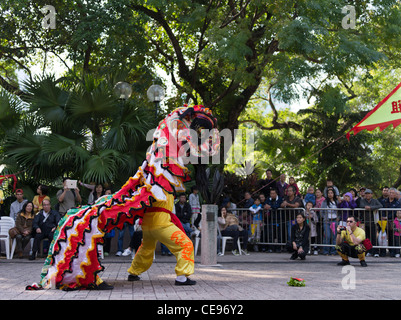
[350,221]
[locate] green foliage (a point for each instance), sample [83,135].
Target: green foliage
[83,132]
[320,150]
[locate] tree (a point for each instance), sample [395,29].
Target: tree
[73,124]
[320,150]
[79,130]
[219,52]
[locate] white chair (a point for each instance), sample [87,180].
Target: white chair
[224,240]
[6,223]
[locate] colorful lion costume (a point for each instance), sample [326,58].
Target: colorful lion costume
[73,259]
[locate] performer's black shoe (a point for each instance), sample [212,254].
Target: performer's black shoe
[133,277]
[363,263]
[188,282]
[343,263]
[104,286]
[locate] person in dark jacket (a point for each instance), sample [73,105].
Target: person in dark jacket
[299,244]
[273,229]
[183,212]
[24,223]
[44,225]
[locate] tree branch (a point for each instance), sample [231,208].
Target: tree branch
[178,86]
[183,69]
[158,16]
[276,125]
[229,89]
[235,16]
[12,89]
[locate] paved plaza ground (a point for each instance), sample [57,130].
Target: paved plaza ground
[259,276]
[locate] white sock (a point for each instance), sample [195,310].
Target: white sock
[181,278]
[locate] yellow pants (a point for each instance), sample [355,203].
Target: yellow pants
[157,226]
[360,256]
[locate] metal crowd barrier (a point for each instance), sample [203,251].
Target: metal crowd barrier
[274,228]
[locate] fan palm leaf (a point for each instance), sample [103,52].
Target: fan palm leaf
[49,101]
[10,110]
[102,167]
[91,99]
[24,150]
[62,150]
[128,129]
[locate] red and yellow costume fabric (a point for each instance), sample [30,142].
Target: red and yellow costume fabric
[73,259]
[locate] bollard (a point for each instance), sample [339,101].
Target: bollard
[209,235]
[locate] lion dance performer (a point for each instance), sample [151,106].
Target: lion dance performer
[73,259]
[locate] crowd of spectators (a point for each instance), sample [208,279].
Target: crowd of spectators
[255,219]
[36,220]
[324,211]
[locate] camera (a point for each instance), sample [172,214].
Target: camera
[342,228]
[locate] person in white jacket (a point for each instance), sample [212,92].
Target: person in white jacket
[194,202]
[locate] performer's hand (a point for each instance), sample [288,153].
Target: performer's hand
[38,230]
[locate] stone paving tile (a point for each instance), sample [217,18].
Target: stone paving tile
[259,276]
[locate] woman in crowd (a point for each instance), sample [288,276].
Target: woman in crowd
[96,193]
[346,203]
[41,191]
[319,198]
[299,244]
[329,221]
[24,225]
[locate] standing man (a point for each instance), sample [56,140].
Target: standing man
[362,191]
[291,202]
[273,228]
[248,200]
[67,198]
[281,186]
[183,212]
[17,205]
[44,224]
[349,242]
[268,184]
[389,215]
[370,205]
[384,196]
